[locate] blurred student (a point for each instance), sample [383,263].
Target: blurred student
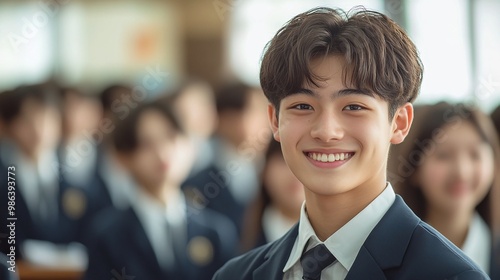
[159,236]
[446,172]
[277,206]
[231,181]
[113,185]
[78,150]
[46,209]
[194,103]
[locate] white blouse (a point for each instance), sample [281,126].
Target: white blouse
[477,245]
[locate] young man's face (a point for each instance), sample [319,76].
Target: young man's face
[334,138]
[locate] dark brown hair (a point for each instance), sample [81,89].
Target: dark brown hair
[380,58]
[112,93]
[495,116]
[125,138]
[232,96]
[406,158]
[13,101]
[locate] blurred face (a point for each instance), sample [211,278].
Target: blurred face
[457,174]
[80,115]
[285,190]
[254,120]
[162,156]
[37,128]
[197,111]
[334,138]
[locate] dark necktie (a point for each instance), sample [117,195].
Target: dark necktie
[314,261]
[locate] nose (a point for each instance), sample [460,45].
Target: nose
[327,127]
[463,167]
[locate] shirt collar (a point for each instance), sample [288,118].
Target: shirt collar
[345,243]
[151,211]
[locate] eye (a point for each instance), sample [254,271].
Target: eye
[353,108]
[302,107]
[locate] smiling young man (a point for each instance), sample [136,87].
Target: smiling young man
[340,89]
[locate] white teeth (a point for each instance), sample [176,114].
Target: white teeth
[324,157]
[331,157]
[328,157]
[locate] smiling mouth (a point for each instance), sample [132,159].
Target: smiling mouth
[322,157]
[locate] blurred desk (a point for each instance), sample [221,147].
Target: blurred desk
[29,271]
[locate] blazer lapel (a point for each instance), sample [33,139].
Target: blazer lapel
[276,257]
[365,267]
[139,239]
[386,245]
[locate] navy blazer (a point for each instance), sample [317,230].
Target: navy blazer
[401,246]
[66,227]
[120,247]
[215,195]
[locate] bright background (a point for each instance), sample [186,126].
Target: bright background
[94,42]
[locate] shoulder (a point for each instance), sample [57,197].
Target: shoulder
[430,249]
[406,247]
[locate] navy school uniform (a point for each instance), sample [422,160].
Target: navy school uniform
[120,246]
[207,190]
[495,261]
[62,228]
[401,246]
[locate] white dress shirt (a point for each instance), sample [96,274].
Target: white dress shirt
[117,181]
[344,244]
[154,218]
[274,224]
[477,245]
[79,167]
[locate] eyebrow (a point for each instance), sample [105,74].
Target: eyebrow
[342,92]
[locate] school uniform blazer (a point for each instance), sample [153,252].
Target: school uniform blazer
[216,195]
[65,228]
[495,261]
[120,248]
[401,246]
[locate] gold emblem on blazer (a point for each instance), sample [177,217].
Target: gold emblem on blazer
[200,250]
[74,203]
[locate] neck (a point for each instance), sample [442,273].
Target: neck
[291,215]
[163,193]
[327,214]
[453,225]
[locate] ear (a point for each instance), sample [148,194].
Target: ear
[273,121]
[401,123]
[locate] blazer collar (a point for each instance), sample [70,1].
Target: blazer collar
[386,245]
[137,238]
[276,257]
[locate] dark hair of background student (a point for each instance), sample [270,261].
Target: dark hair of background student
[125,138]
[252,225]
